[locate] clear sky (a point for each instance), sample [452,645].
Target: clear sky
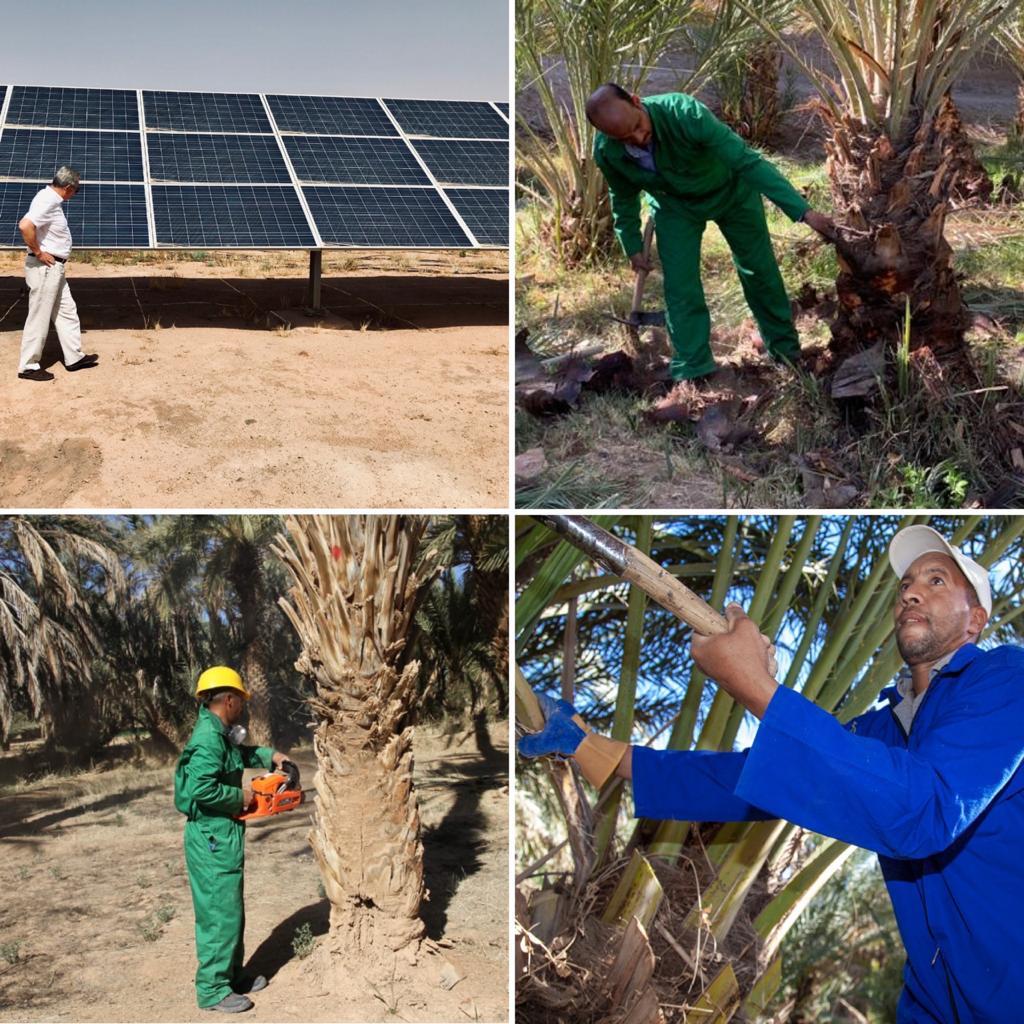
[437,49]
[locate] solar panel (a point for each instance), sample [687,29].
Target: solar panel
[36,153]
[223,158]
[462,162]
[485,211]
[449,119]
[353,161]
[503,107]
[99,217]
[239,170]
[14,201]
[230,216]
[330,115]
[51,107]
[400,217]
[205,112]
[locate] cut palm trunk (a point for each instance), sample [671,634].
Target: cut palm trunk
[352,600]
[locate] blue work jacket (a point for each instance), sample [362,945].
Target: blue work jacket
[942,807]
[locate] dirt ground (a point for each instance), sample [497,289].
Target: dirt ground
[214,389]
[99,910]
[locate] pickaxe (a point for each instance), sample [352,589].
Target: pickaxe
[637,317]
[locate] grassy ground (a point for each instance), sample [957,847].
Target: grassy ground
[921,445]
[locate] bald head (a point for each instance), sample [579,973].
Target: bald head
[612,110]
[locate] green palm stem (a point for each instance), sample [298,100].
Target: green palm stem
[757,610]
[670,835]
[791,580]
[625,701]
[725,715]
[825,591]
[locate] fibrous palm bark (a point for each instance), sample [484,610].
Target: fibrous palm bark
[894,197]
[491,588]
[352,603]
[748,89]
[247,578]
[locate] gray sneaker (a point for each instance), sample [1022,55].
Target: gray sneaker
[232,1003]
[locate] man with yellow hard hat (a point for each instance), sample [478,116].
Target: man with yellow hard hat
[208,790]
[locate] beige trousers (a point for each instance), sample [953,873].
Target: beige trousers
[49,300]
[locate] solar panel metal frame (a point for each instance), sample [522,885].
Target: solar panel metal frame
[294,183]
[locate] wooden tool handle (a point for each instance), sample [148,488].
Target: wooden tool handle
[625,560]
[641,275]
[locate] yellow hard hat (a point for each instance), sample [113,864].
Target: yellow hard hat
[220,676]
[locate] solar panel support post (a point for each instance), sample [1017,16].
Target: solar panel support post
[315,266]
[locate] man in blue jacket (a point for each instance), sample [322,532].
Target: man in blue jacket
[930,781]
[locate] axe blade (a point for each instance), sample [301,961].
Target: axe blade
[651,319]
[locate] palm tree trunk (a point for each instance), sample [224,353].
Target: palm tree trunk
[247,579]
[894,197]
[751,103]
[351,605]
[492,598]
[253,670]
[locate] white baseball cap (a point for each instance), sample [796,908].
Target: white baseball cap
[911,543]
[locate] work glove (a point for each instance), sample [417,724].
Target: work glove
[563,730]
[565,734]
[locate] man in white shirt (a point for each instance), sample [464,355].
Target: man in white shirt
[46,233]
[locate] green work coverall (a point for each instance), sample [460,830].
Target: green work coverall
[208,790]
[705,171]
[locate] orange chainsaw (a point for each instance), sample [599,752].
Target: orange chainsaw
[275,792]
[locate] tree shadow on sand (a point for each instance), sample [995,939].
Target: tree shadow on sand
[452,849]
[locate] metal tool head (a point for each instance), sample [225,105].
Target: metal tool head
[651,319]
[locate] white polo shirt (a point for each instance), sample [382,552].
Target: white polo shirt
[47,213]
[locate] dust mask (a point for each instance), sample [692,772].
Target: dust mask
[237,735]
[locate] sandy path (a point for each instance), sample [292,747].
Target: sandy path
[398,399]
[89,882]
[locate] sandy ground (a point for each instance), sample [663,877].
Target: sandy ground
[97,897]
[214,390]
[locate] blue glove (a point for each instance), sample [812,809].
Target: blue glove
[560,735]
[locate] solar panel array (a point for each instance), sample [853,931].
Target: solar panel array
[247,170]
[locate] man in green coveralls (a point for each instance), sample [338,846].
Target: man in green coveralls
[695,169]
[208,790]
